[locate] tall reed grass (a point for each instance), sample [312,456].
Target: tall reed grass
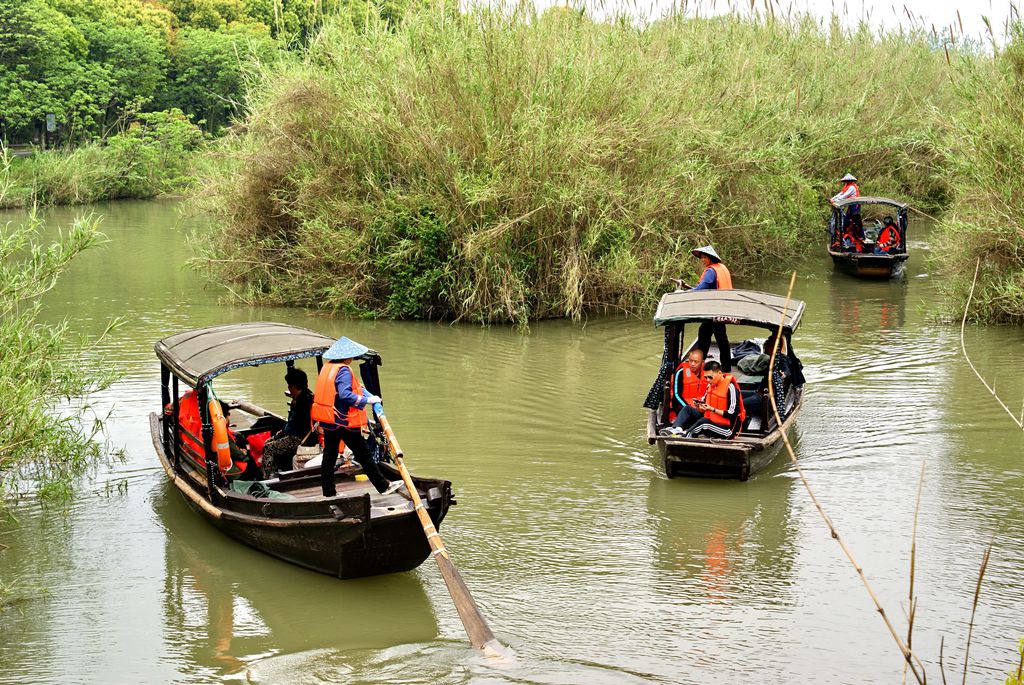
[984,143]
[501,165]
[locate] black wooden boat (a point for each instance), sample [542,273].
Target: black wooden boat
[760,438]
[873,210]
[356,533]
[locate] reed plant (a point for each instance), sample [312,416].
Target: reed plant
[984,143]
[503,165]
[45,435]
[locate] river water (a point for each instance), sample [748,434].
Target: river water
[591,564]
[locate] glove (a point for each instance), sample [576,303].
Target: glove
[372,399]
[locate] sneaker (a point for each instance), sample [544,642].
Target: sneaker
[670,432]
[393,486]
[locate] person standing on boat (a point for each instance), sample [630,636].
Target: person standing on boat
[280,449]
[723,409]
[716,277]
[852,220]
[339,407]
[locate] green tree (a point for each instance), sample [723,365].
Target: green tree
[208,71]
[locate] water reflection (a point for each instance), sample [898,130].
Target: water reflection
[227,608]
[719,541]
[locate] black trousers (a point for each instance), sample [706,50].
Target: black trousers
[704,333]
[686,417]
[355,441]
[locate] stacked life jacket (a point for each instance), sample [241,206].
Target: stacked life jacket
[190,428]
[718,398]
[889,239]
[325,409]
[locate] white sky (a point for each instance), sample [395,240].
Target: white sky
[887,14]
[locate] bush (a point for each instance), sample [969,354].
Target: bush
[152,156]
[985,150]
[41,367]
[506,167]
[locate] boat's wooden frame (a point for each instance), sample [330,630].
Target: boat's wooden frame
[356,533]
[753,448]
[867,264]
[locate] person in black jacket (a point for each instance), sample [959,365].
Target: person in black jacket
[280,449]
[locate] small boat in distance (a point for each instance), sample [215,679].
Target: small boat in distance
[858,257]
[358,532]
[760,437]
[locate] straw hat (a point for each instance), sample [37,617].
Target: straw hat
[345,349]
[709,251]
[849,177]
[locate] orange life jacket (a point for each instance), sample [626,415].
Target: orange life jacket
[889,238]
[190,421]
[190,427]
[718,398]
[856,190]
[324,410]
[694,385]
[723,275]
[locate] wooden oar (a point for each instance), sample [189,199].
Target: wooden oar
[479,632]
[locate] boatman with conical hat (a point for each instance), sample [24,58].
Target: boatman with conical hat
[716,277]
[339,408]
[852,220]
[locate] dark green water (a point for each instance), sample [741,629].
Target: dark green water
[592,565]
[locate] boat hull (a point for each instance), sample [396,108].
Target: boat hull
[869,265]
[341,536]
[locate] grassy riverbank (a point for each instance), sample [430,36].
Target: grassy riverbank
[506,168]
[153,156]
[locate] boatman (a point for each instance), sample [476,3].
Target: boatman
[852,220]
[716,277]
[723,409]
[339,408]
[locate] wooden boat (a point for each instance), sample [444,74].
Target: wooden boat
[356,533]
[866,264]
[760,438]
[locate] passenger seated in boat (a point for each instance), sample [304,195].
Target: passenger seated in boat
[888,238]
[279,451]
[723,410]
[853,235]
[753,401]
[688,385]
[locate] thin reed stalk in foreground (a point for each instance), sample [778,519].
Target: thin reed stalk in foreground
[974,608]
[963,348]
[911,601]
[908,655]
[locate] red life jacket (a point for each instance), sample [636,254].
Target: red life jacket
[854,240]
[324,410]
[718,398]
[723,276]
[190,421]
[851,184]
[889,238]
[694,385]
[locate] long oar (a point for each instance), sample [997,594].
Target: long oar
[479,632]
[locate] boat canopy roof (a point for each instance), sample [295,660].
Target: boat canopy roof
[870,200]
[200,355]
[744,307]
